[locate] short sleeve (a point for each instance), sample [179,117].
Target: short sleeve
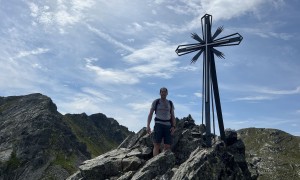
[153,104]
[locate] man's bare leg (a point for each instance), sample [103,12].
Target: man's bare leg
[156,149]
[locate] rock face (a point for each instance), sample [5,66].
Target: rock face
[189,158]
[37,142]
[34,139]
[271,153]
[98,132]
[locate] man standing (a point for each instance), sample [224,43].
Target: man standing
[164,121]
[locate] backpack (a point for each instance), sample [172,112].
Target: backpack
[157,102]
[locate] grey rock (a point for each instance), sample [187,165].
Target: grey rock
[189,158]
[156,166]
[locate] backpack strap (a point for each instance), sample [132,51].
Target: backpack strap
[156,104]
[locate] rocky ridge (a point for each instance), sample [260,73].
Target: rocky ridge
[272,153]
[190,158]
[37,142]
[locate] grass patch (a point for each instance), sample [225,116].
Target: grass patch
[66,162]
[96,143]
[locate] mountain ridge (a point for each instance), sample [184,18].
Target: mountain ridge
[37,142]
[274,153]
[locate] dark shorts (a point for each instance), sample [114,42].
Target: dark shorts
[162,132]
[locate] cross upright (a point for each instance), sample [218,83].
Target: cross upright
[210,90]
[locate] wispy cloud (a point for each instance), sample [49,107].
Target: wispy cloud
[253,98]
[111,76]
[259,89]
[181,95]
[110,39]
[233,8]
[266,33]
[279,92]
[97,94]
[79,103]
[155,59]
[140,106]
[37,51]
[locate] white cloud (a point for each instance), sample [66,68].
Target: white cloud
[60,13]
[97,94]
[37,51]
[266,33]
[181,95]
[34,9]
[253,98]
[112,76]
[279,92]
[197,94]
[109,39]
[64,18]
[134,28]
[259,89]
[156,59]
[227,9]
[79,103]
[140,107]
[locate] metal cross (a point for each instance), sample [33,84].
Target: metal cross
[207,45]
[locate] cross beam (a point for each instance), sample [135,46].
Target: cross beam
[206,45]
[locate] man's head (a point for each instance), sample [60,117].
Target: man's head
[163,89]
[163,92]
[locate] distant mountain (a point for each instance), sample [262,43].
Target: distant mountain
[274,154]
[37,142]
[98,132]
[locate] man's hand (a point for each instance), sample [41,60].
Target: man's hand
[148,130]
[172,130]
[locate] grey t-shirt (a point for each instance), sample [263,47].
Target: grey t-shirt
[163,111]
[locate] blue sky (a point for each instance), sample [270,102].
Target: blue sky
[113,56]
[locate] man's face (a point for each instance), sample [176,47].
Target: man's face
[163,93]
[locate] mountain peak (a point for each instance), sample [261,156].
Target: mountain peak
[36,140]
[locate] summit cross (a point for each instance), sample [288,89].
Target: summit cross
[210,90]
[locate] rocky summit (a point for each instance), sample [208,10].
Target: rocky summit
[37,142]
[190,158]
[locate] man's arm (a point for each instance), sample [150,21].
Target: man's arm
[149,120]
